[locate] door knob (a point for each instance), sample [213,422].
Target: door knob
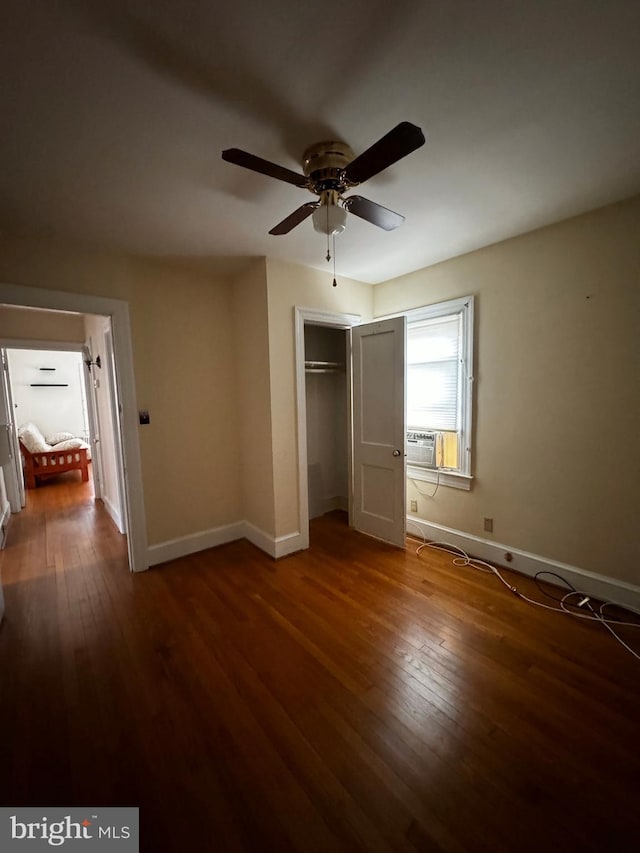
[397,452]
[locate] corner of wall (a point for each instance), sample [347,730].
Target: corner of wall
[290,285]
[253,386]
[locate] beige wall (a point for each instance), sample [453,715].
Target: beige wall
[182,327]
[253,395]
[182,332]
[557,408]
[29,324]
[53,409]
[290,285]
[557,365]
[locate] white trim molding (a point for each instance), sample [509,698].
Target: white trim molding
[113,512]
[264,541]
[313,317]
[172,549]
[441,477]
[600,587]
[118,311]
[275,547]
[289,544]
[5,518]
[52,346]
[461,478]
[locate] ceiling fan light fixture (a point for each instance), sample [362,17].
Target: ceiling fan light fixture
[330,169]
[329,219]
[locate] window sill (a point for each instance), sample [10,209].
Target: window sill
[446,478]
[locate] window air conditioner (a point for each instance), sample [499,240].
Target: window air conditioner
[424,449]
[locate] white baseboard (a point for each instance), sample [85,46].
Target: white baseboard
[288,544]
[5,516]
[113,512]
[598,586]
[172,549]
[258,537]
[275,547]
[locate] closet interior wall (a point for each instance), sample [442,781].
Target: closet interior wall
[327,422]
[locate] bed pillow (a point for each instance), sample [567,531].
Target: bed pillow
[57,437]
[70,444]
[32,438]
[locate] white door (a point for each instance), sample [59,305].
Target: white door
[379,468]
[11,460]
[114,407]
[94,420]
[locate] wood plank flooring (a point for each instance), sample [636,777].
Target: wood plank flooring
[352,697]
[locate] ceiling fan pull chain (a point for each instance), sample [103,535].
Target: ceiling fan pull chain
[335,283]
[328,250]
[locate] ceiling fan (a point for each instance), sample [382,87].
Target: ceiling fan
[330,169]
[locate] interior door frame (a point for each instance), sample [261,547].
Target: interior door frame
[116,425]
[56,346]
[118,311]
[94,423]
[14,481]
[315,317]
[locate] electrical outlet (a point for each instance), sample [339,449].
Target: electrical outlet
[414,506]
[488,525]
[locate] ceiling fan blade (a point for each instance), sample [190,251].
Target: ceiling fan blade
[265,167]
[295,218]
[402,140]
[372,212]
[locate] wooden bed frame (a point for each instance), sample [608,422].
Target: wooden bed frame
[52,462]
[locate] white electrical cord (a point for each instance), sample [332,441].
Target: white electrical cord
[425,494]
[461,558]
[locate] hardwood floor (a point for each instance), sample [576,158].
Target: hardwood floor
[352,697]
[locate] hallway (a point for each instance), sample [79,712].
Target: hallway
[62,558]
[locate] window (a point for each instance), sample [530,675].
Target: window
[439,388]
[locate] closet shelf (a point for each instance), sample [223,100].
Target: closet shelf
[324,367]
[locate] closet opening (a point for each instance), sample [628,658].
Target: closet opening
[323,391]
[326,419]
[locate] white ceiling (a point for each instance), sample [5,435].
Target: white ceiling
[115,114]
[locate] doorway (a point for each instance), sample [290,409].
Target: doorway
[67,392]
[118,312]
[323,386]
[376,422]
[46,389]
[62,394]
[327,419]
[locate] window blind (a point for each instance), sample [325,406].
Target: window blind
[433,359]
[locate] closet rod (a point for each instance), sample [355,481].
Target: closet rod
[323,365]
